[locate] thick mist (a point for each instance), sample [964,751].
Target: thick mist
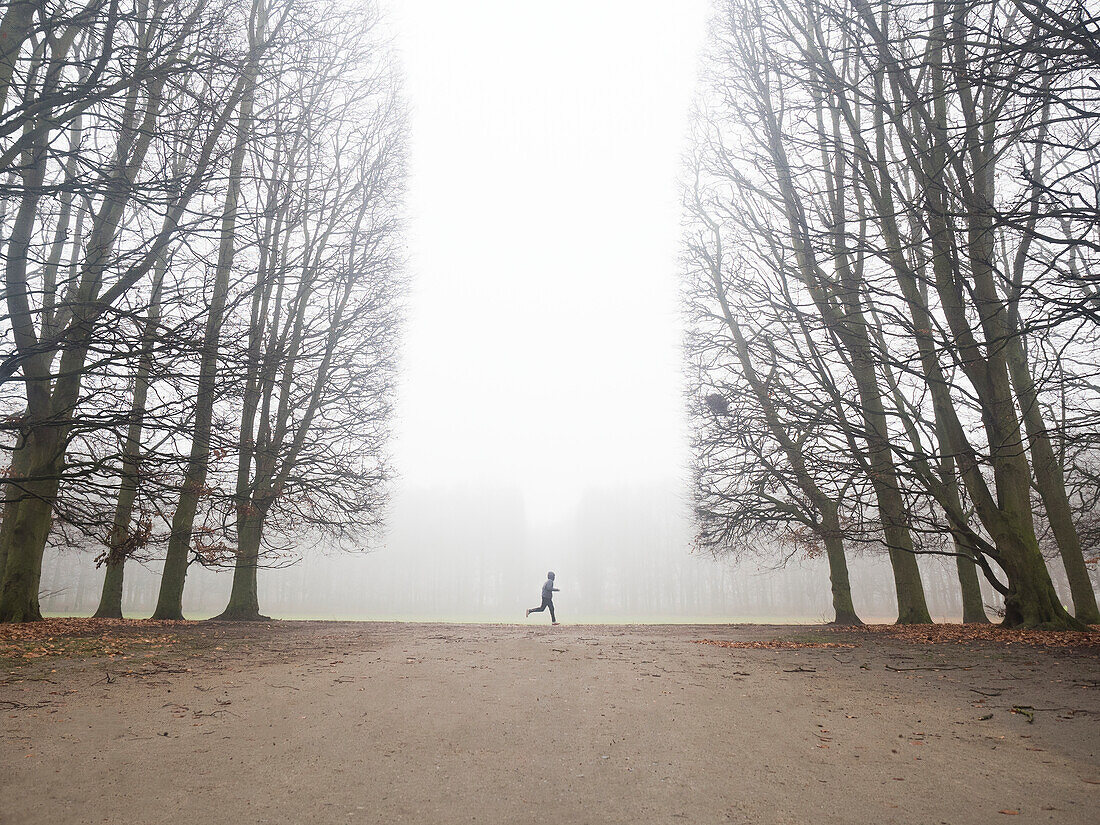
[464,553]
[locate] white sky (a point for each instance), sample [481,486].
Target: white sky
[543,342]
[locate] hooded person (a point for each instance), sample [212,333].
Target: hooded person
[548,591]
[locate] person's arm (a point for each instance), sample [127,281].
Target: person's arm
[556,589]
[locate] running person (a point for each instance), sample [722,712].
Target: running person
[548,591]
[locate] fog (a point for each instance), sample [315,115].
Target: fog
[541,414]
[474,553]
[543,346]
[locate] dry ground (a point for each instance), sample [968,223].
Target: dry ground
[202,724]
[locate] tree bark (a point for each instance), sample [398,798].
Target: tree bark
[1050,480]
[967,571]
[33,485]
[29,527]
[244,602]
[14,29]
[110,598]
[844,610]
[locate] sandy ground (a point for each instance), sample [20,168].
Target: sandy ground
[349,723]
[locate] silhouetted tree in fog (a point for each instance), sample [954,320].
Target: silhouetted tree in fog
[93,94]
[198,223]
[319,361]
[910,174]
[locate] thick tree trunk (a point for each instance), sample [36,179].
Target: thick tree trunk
[1050,480]
[967,571]
[174,575]
[49,414]
[23,572]
[110,600]
[28,529]
[843,609]
[35,462]
[11,504]
[244,601]
[13,497]
[965,568]
[1032,600]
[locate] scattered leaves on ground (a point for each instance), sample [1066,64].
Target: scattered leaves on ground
[85,637]
[771,644]
[964,634]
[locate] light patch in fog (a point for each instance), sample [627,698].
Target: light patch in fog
[543,345]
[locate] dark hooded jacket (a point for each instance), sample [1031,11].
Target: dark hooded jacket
[548,588]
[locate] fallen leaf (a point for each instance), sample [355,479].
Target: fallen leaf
[969,634]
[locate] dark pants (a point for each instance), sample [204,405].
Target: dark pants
[546,602]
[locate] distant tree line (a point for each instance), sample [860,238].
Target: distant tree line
[893,257]
[200,206]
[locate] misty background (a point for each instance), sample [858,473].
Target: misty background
[541,419]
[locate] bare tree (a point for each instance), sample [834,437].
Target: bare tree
[319,360]
[759,470]
[91,93]
[858,151]
[124,537]
[170,602]
[771,207]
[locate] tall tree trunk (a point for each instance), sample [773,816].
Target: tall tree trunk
[965,568]
[844,610]
[912,607]
[1050,480]
[969,586]
[49,414]
[244,602]
[1033,601]
[34,471]
[174,575]
[829,529]
[847,323]
[118,542]
[30,526]
[110,597]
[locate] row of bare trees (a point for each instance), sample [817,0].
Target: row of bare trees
[199,228]
[893,256]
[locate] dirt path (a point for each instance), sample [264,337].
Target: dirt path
[349,723]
